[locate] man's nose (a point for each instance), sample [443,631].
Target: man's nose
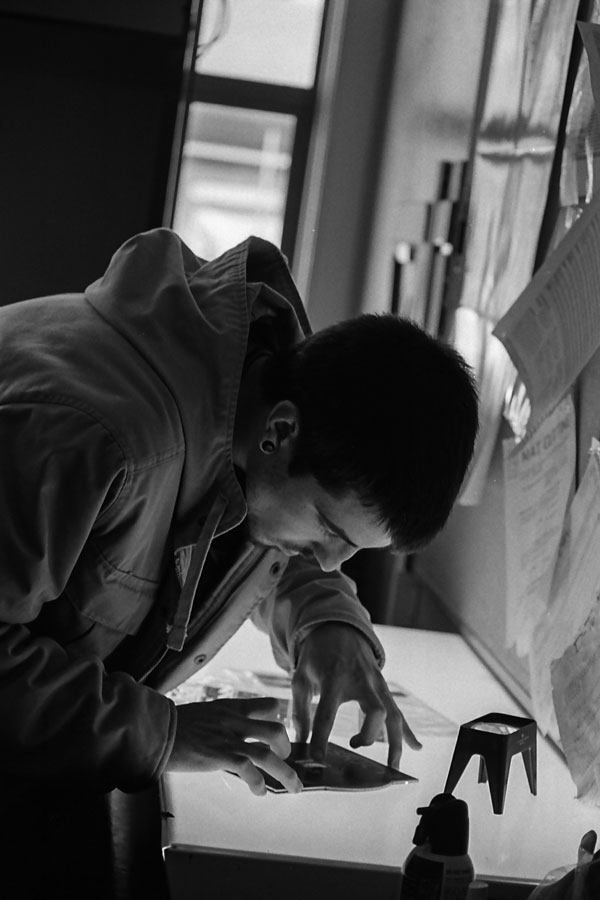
[331,558]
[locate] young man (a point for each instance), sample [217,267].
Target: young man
[179,454]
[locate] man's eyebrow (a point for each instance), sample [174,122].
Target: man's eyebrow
[336,528]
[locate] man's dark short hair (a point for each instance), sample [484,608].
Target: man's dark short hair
[387,412]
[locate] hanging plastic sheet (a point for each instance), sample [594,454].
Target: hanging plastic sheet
[514,153]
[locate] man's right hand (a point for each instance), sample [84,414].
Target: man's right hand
[235,735]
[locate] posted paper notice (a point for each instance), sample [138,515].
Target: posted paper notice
[576,692]
[575,587]
[553,329]
[538,481]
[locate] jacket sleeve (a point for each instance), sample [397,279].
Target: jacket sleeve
[304,598]
[61,714]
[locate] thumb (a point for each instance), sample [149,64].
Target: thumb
[252,707]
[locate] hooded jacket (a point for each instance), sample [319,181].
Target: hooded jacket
[117,483]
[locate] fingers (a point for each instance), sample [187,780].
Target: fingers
[323,723]
[271,733]
[221,735]
[242,767]
[397,729]
[380,713]
[249,720]
[260,756]
[256,760]
[399,732]
[387,715]
[252,707]
[373,724]
[410,737]
[301,702]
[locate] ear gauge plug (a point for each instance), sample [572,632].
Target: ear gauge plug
[267,446]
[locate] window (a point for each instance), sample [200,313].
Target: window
[248,123]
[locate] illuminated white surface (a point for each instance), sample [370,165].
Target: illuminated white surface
[532,836]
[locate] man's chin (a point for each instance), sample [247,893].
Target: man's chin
[259,540]
[263,544]
[271,545]
[268,543]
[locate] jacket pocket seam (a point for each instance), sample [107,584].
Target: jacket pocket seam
[122,575]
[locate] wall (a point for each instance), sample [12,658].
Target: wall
[431,106]
[88,98]
[466,565]
[337,210]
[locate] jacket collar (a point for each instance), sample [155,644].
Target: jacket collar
[189,320]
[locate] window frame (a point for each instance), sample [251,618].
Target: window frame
[291,100]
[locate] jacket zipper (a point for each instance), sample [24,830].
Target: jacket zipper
[221,594]
[215,603]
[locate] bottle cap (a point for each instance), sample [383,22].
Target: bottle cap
[444,826]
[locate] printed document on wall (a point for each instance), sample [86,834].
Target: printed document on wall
[575,588]
[553,329]
[576,692]
[538,481]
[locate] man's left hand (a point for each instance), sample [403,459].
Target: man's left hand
[337,662]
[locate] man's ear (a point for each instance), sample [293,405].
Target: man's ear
[283,423]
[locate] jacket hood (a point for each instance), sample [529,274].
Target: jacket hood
[189,321]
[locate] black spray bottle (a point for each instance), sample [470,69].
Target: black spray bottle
[439,867]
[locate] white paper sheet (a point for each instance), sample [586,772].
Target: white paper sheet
[538,481]
[553,329]
[576,692]
[575,587]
